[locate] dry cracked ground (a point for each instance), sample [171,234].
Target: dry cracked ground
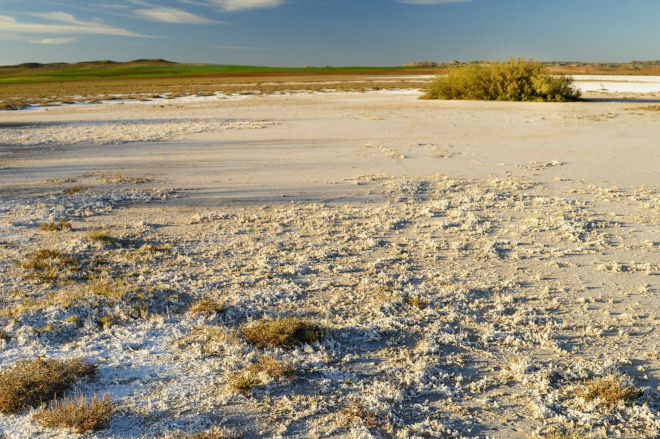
[411,306]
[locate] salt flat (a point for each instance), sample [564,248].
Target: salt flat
[475,265]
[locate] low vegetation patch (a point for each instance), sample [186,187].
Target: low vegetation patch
[285,333]
[31,383]
[56,226]
[646,108]
[216,433]
[110,288]
[48,265]
[154,249]
[513,80]
[242,383]
[210,340]
[357,412]
[73,190]
[272,367]
[94,293]
[609,391]
[122,179]
[79,413]
[416,301]
[207,306]
[102,236]
[559,434]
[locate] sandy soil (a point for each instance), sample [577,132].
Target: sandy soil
[476,266]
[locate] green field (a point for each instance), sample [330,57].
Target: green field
[52,84]
[159,68]
[92,71]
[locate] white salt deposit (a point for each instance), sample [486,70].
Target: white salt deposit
[109,132]
[618,84]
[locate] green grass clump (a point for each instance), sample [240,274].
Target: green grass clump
[31,383]
[285,333]
[513,80]
[78,413]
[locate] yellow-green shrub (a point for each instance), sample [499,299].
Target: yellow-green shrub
[513,80]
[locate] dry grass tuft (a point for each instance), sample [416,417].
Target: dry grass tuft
[78,413]
[73,190]
[31,383]
[102,236]
[609,390]
[207,306]
[56,226]
[285,333]
[154,249]
[241,383]
[216,433]
[357,412]
[48,265]
[272,367]
[121,179]
[416,301]
[646,108]
[211,340]
[106,322]
[560,434]
[90,293]
[113,289]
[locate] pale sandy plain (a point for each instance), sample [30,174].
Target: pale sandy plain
[475,264]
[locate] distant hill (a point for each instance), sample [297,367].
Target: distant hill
[104,64]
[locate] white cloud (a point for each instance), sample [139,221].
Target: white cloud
[239,5]
[60,16]
[172,15]
[432,2]
[71,26]
[54,41]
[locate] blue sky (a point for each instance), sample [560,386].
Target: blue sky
[327,32]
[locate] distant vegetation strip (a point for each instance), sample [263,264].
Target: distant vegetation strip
[18,95]
[31,72]
[159,68]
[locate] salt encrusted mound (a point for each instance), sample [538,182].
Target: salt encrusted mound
[112,132]
[441,302]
